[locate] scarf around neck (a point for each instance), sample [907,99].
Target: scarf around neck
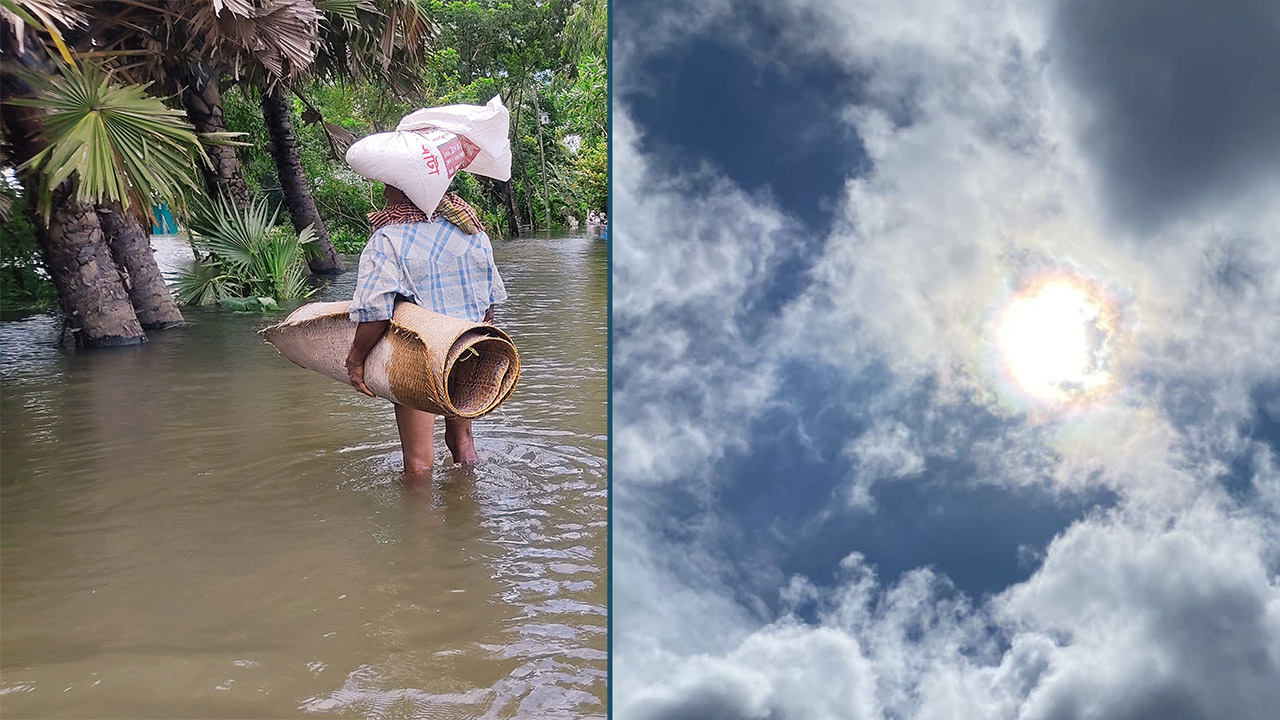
[452,208]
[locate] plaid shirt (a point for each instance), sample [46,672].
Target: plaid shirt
[433,264]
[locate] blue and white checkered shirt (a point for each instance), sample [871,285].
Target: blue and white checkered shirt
[433,264]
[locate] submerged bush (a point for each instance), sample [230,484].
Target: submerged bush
[24,282]
[348,242]
[246,256]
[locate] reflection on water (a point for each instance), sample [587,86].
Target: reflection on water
[196,527]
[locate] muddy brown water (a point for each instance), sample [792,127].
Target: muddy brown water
[195,527]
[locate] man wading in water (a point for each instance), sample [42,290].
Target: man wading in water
[441,261]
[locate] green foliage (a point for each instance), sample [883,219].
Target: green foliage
[118,142]
[206,283]
[242,114]
[348,242]
[342,197]
[584,101]
[24,282]
[552,76]
[247,255]
[591,169]
[493,222]
[587,29]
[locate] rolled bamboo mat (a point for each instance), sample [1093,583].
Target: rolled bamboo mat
[426,361]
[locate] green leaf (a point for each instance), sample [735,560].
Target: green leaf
[263,260]
[204,284]
[116,141]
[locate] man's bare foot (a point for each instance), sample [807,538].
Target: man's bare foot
[457,436]
[466,453]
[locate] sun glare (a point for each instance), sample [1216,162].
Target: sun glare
[1054,339]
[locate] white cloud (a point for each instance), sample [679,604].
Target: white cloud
[978,184]
[690,254]
[771,674]
[1122,621]
[885,451]
[1180,617]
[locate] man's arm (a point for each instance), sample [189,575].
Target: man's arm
[367,335]
[488,315]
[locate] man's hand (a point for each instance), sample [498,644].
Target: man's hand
[356,374]
[367,335]
[488,315]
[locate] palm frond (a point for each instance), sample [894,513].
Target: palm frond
[233,234]
[387,39]
[117,141]
[207,283]
[281,36]
[44,15]
[223,137]
[260,258]
[346,13]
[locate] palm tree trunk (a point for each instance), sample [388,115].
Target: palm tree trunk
[542,155]
[517,164]
[131,246]
[203,100]
[293,181]
[528,203]
[513,214]
[94,300]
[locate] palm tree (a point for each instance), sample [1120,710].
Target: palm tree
[87,116]
[84,143]
[357,39]
[94,301]
[154,40]
[254,42]
[266,44]
[293,181]
[202,98]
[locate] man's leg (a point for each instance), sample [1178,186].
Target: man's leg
[416,428]
[457,435]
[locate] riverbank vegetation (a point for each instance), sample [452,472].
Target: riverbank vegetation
[110,107]
[246,259]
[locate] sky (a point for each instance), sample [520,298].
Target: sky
[836,491]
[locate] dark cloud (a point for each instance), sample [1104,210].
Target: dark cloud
[957,514]
[714,703]
[1182,99]
[1265,422]
[764,112]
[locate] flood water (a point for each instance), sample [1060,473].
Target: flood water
[196,527]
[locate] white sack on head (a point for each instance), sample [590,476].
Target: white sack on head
[430,146]
[487,126]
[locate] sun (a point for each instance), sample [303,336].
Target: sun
[1055,341]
